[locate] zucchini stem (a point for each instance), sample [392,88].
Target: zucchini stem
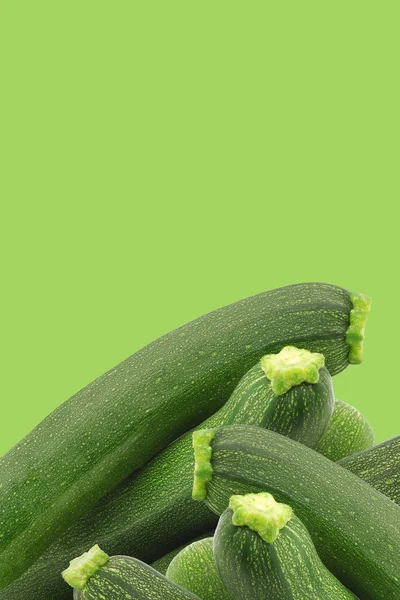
[81,569]
[355,334]
[261,513]
[202,457]
[290,367]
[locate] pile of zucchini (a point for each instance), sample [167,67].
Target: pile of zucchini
[215,463]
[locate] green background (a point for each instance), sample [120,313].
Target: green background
[162,159]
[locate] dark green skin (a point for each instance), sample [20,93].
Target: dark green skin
[124,577]
[148,515]
[348,432]
[379,466]
[113,426]
[355,529]
[288,569]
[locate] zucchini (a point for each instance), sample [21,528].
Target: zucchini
[96,576]
[379,466]
[298,396]
[113,426]
[161,564]
[194,569]
[355,529]
[262,550]
[347,433]
[146,516]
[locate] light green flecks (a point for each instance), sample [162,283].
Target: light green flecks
[82,568]
[355,334]
[202,466]
[261,513]
[290,367]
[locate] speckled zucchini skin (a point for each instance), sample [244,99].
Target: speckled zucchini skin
[161,564]
[287,569]
[194,569]
[303,413]
[379,466]
[125,578]
[347,433]
[116,424]
[355,529]
[147,516]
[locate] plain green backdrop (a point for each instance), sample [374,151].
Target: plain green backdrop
[161,159]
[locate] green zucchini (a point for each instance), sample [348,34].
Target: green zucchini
[96,576]
[117,423]
[146,516]
[262,550]
[194,569]
[161,564]
[355,529]
[347,433]
[379,466]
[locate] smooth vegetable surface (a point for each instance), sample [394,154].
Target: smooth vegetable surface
[355,529]
[147,516]
[194,569]
[348,432]
[117,423]
[264,551]
[379,466]
[96,576]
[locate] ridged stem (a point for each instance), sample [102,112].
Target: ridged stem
[261,513]
[291,366]
[355,334]
[81,569]
[202,467]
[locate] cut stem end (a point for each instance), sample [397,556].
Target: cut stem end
[261,513]
[291,366]
[81,569]
[202,466]
[355,334]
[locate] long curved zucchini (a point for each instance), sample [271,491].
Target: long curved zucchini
[379,466]
[355,529]
[96,576]
[194,569]
[146,516]
[262,550]
[348,432]
[117,423]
